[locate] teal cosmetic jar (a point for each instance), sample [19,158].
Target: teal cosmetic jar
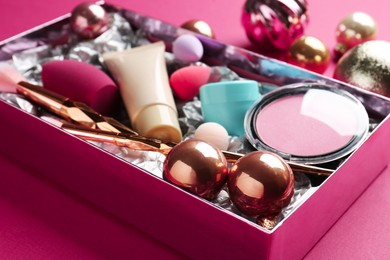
[226,103]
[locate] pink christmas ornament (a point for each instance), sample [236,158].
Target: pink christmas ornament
[272,25]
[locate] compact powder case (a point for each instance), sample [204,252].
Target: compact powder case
[308,123]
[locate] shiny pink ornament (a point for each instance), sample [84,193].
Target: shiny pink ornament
[272,25]
[261,184]
[89,20]
[197,167]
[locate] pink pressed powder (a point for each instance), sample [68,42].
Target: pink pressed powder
[310,124]
[290,126]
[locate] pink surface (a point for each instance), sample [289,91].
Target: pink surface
[39,220]
[35,221]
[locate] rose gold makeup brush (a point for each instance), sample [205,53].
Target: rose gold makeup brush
[138,142]
[74,112]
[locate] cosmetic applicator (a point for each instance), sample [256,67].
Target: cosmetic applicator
[75,112]
[187,81]
[82,82]
[187,48]
[9,78]
[138,142]
[213,133]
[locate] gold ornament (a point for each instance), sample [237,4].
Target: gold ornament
[309,53]
[354,29]
[367,66]
[200,27]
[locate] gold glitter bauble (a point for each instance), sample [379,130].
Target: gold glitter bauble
[367,65]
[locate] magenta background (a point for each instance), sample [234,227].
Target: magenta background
[38,220]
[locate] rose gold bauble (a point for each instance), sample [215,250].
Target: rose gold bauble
[200,27]
[197,167]
[309,53]
[89,20]
[367,66]
[261,184]
[354,29]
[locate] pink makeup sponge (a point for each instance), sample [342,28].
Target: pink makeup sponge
[186,81]
[82,82]
[213,133]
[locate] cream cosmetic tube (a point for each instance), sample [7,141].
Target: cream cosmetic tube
[144,86]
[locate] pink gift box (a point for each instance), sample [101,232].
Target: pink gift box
[192,226]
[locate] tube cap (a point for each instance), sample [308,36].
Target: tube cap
[160,122]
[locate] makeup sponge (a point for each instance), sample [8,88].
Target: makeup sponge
[186,81]
[82,82]
[213,133]
[187,48]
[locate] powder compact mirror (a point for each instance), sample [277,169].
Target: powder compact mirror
[309,123]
